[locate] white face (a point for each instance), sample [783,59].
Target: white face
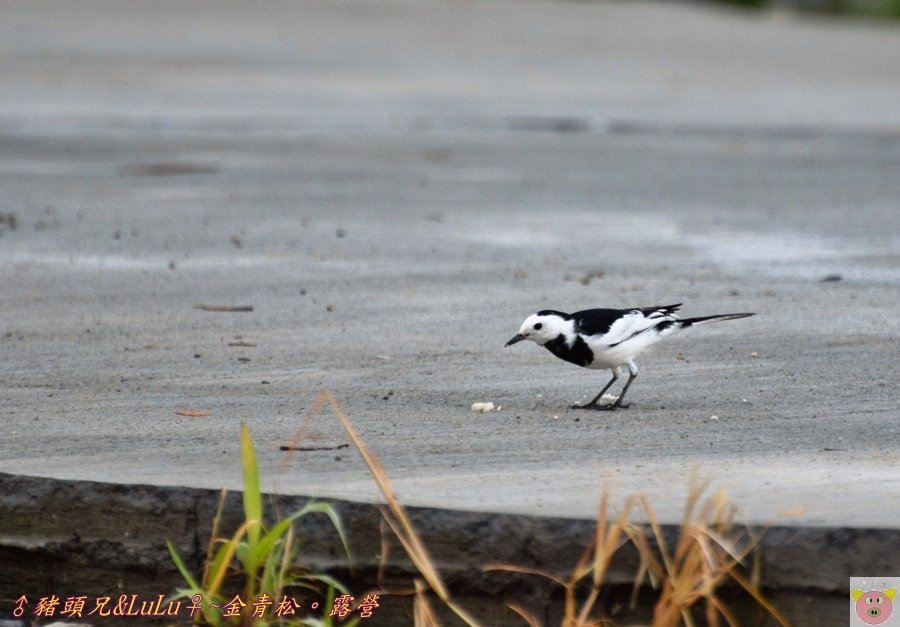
[541,329]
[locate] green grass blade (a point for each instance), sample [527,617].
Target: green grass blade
[252,493]
[220,564]
[211,616]
[179,564]
[320,507]
[222,561]
[326,579]
[268,542]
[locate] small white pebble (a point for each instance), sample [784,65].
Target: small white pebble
[540,396]
[744,400]
[555,417]
[713,417]
[499,407]
[754,354]
[483,407]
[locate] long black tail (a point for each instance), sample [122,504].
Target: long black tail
[689,322]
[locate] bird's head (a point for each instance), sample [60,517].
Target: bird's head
[542,327]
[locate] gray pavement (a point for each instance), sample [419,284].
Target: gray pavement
[393,187]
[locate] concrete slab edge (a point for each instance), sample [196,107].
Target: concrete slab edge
[80,537]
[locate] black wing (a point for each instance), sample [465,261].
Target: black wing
[599,321]
[596,321]
[664,310]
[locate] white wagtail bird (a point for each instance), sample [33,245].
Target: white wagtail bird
[607,338]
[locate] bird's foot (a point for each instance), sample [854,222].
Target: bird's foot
[608,407]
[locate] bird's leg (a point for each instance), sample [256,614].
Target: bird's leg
[632,375]
[593,404]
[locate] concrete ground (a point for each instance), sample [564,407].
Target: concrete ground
[393,187]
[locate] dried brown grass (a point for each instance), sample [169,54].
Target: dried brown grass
[711,551]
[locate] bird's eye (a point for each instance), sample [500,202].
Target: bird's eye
[538,326]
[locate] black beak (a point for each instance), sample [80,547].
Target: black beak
[518,337]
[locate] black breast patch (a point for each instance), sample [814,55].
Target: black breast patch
[579,354]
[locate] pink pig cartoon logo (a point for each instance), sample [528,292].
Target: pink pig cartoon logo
[874,606]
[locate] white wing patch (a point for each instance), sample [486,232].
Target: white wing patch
[627,337]
[626,327]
